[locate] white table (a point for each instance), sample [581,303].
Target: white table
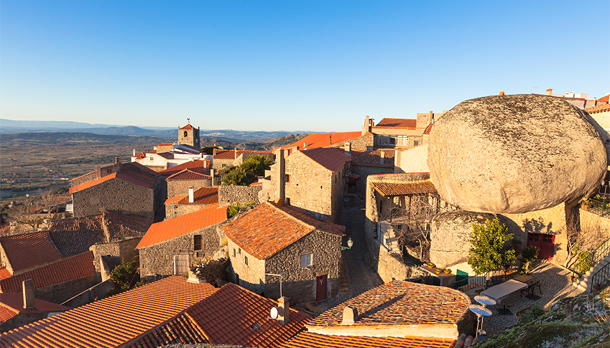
[501,291]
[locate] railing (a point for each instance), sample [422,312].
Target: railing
[480,280]
[601,277]
[591,259]
[596,207]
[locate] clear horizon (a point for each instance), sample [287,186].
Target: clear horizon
[289,65]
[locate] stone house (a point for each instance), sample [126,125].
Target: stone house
[400,132]
[227,158]
[180,183]
[192,201]
[244,195]
[189,136]
[313,180]
[379,161]
[171,246]
[287,241]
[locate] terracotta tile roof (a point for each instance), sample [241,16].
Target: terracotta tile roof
[188,126]
[329,158]
[14,302]
[605,98]
[115,321]
[230,154]
[141,168]
[5,273]
[204,195]
[256,183]
[141,176]
[198,166]
[400,303]
[28,250]
[188,174]
[76,235]
[116,175]
[313,340]
[182,328]
[267,229]
[402,188]
[324,139]
[60,271]
[139,156]
[403,123]
[373,159]
[598,108]
[234,315]
[7,313]
[172,228]
[166,144]
[120,226]
[428,128]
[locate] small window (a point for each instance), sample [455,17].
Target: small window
[321,187]
[120,199]
[224,165]
[246,260]
[306,260]
[287,201]
[234,252]
[287,178]
[198,242]
[186,134]
[151,158]
[239,251]
[415,142]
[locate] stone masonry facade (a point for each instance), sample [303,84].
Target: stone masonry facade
[229,194]
[158,259]
[118,251]
[251,275]
[181,187]
[115,195]
[173,210]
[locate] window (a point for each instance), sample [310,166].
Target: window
[120,199]
[239,251]
[198,242]
[287,201]
[246,260]
[306,260]
[234,252]
[415,142]
[151,158]
[287,178]
[186,134]
[224,165]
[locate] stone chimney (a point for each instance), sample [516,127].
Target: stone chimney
[29,301]
[281,174]
[205,164]
[368,125]
[304,146]
[235,152]
[191,194]
[117,160]
[549,91]
[348,148]
[134,152]
[502,93]
[350,315]
[212,172]
[381,157]
[283,310]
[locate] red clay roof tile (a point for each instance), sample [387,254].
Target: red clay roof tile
[267,229]
[188,126]
[234,315]
[313,340]
[400,303]
[115,321]
[4,273]
[403,188]
[313,141]
[605,98]
[60,271]
[598,108]
[405,123]
[329,158]
[172,228]
[14,301]
[28,250]
[199,166]
[373,158]
[188,174]
[116,175]
[230,154]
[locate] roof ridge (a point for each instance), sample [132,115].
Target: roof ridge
[293,217]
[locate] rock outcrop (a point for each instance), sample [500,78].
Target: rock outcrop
[515,154]
[450,235]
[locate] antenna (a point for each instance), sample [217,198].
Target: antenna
[277,275]
[188,119]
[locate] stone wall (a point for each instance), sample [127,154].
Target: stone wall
[173,210]
[229,194]
[362,143]
[594,224]
[119,251]
[59,293]
[388,265]
[181,187]
[98,291]
[158,259]
[299,283]
[364,173]
[250,276]
[412,160]
[603,119]
[219,163]
[310,185]
[116,195]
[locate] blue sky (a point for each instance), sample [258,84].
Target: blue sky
[289,65]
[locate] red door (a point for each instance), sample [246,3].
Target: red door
[321,288]
[545,244]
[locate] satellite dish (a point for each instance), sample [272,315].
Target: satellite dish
[479,310]
[273,313]
[485,300]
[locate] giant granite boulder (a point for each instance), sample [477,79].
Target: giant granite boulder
[515,154]
[450,234]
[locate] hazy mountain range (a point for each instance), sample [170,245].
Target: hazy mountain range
[13,126]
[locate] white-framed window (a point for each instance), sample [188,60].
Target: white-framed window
[306,260]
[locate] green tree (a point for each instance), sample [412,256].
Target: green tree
[488,252]
[248,171]
[124,277]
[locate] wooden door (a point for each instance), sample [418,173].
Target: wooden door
[545,244]
[321,287]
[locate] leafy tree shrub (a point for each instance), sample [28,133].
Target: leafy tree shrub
[234,209]
[212,271]
[248,171]
[125,277]
[530,315]
[487,252]
[529,255]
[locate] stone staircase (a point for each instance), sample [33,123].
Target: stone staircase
[585,282]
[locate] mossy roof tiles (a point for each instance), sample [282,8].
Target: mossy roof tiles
[398,188]
[313,340]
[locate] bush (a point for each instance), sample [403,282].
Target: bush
[248,171]
[125,277]
[488,252]
[529,255]
[530,315]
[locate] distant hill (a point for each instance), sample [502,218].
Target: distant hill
[223,135]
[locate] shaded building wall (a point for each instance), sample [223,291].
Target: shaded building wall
[229,194]
[119,251]
[299,283]
[116,195]
[181,187]
[173,210]
[252,275]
